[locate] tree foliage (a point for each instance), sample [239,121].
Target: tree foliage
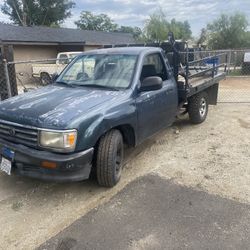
[203,37]
[228,32]
[157,27]
[181,30]
[135,31]
[101,22]
[39,12]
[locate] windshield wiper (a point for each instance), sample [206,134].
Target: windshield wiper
[65,83]
[98,86]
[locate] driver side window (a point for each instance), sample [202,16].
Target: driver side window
[153,66]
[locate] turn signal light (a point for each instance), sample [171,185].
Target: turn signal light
[71,138]
[48,164]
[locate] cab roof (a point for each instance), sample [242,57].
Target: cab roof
[125,50]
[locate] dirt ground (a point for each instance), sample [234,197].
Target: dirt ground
[236,83]
[235,89]
[213,157]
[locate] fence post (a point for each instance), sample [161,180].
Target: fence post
[6,71]
[229,61]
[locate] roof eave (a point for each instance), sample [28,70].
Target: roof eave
[12,42]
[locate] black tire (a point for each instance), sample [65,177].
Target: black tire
[109,159]
[45,79]
[198,107]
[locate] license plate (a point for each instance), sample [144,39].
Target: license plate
[8,153]
[5,166]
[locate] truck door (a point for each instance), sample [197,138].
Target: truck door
[155,109]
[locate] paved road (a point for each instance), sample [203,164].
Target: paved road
[155,213]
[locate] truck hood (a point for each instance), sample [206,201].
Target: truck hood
[54,106]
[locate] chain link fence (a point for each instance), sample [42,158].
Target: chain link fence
[8,80]
[236,87]
[19,77]
[4,87]
[35,74]
[236,63]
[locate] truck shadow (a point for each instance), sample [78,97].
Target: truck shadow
[179,124]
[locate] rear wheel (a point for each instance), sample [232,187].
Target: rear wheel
[109,159]
[198,107]
[45,79]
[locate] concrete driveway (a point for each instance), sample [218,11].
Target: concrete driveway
[155,213]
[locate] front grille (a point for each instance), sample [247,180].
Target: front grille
[19,134]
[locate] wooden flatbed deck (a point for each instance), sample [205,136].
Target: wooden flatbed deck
[200,83]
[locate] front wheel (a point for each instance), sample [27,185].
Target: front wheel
[109,159]
[198,107]
[45,79]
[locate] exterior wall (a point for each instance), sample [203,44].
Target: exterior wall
[27,53]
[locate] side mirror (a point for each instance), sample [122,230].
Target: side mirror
[151,83]
[54,77]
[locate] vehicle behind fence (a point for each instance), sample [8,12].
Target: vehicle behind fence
[19,77]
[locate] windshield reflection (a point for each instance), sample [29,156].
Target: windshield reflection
[112,71]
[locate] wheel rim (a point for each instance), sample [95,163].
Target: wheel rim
[118,161]
[203,107]
[45,80]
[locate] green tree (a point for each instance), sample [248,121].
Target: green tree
[228,32]
[135,31]
[247,40]
[181,30]
[39,12]
[157,27]
[203,37]
[185,30]
[89,21]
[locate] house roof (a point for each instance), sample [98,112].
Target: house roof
[44,35]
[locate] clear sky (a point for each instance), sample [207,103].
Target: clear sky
[135,12]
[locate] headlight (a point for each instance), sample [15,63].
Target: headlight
[58,140]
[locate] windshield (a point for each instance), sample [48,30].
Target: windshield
[111,71]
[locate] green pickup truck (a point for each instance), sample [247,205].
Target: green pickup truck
[102,100]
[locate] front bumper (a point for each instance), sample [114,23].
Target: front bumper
[28,162]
